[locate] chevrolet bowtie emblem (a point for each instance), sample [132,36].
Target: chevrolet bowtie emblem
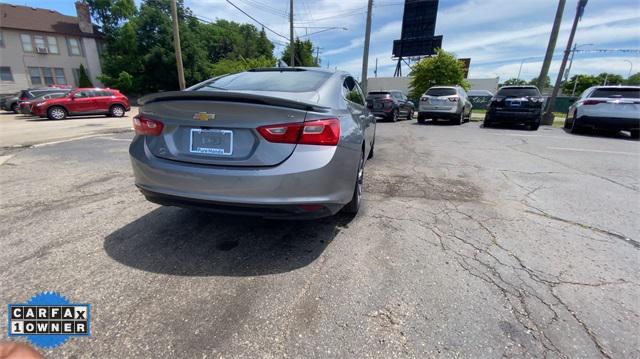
[203,116]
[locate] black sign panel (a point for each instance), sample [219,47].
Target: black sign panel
[417,47]
[419,19]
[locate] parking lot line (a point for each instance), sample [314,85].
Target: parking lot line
[596,151]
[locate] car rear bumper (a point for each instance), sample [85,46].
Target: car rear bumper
[439,114]
[611,123]
[314,181]
[514,116]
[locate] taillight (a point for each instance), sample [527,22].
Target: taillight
[146,126]
[591,102]
[453,99]
[319,132]
[423,98]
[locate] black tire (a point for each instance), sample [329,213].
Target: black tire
[15,108]
[487,123]
[567,124]
[534,126]
[394,116]
[575,127]
[410,115]
[460,119]
[635,134]
[56,113]
[421,118]
[116,111]
[354,206]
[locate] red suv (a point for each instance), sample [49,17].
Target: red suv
[83,101]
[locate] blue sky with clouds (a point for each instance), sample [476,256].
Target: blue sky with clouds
[496,34]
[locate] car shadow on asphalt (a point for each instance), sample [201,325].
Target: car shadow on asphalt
[602,133]
[436,123]
[186,242]
[70,118]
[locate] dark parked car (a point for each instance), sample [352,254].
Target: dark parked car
[391,105]
[26,105]
[516,105]
[12,103]
[84,101]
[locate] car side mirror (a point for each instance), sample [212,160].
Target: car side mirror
[410,103]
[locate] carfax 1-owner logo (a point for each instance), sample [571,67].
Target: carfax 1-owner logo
[49,319]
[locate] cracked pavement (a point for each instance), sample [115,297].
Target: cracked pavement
[471,242]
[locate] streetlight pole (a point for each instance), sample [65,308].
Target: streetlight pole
[573,52]
[630,67]
[520,70]
[548,116]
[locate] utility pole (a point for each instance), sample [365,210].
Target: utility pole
[317,54]
[548,116]
[552,44]
[365,55]
[176,44]
[292,44]
[375,72]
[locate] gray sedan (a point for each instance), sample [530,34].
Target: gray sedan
[274,142]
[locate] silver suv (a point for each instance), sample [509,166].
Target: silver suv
[445,102]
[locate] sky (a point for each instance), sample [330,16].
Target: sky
[498,35]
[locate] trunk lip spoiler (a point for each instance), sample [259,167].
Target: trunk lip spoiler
[231,97]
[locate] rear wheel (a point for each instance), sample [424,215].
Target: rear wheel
[394,116]
[575,128]
[487,122]
[353,206]
[15,108]
[410,115]
[421,118]
[460,119]
[56,113]
[567,122]
[534,126]
[116,111]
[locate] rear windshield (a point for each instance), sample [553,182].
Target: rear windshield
[442,91]
[518,92]
[279,81]
[621,92]
[379,94]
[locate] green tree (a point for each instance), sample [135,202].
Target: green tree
[546,84]
[139,57]
[633,79]
[229,66]
[109,14]
[514,82]
[84,80]
[441,69]
[583,83]
[612,79]
[303,51]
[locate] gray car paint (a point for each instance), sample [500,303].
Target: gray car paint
[262,173]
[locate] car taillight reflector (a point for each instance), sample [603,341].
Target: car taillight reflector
[592,102]
[453,99]
[146,126]
[319,132]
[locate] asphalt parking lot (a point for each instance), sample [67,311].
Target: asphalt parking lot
[472,242]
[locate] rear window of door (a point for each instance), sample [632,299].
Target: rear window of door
[621,93]
[351,91]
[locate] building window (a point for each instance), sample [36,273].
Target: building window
[1,40]
[74,47]
[27,46]
[47,76]
[76,76]
[53,44]
[34,73]
[39,41]
[5,74]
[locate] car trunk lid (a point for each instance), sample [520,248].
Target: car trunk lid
[219,128]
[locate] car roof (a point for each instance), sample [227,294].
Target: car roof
[444,87]
[616,87]
[519,87]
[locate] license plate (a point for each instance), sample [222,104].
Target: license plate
[211,142]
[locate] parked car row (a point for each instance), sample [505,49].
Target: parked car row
[57,103]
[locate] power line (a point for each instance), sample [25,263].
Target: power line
[256,20]
[266,8]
